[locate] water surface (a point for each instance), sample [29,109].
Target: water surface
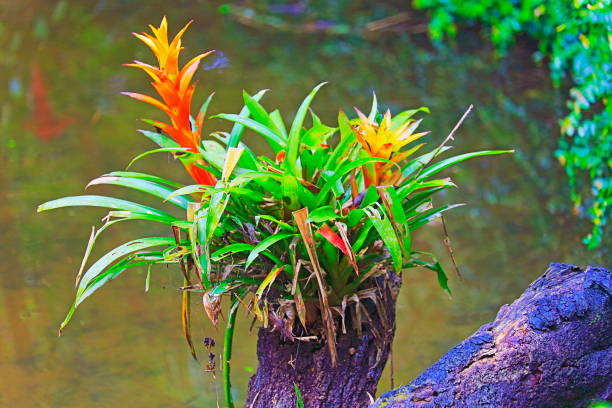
[63,122]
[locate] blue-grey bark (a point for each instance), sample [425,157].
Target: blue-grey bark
[550,348]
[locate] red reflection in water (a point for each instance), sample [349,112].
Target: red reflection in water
[43,121]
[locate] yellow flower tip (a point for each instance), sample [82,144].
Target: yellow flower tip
[176,41]
[163,25]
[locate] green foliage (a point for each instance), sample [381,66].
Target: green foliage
[575,36]
[299,402]
[307,231]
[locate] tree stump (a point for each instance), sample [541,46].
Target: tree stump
[362,356]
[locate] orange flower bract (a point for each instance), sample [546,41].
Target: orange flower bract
[173,84]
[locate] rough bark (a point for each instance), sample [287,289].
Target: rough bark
[361,359]
[550,348]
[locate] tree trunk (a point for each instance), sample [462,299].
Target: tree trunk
[361,359]
[550,348]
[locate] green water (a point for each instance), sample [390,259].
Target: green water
[124,347]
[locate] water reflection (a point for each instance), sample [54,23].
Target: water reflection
[61,74]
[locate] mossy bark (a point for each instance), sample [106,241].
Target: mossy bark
[551,348]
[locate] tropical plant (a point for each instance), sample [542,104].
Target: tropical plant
[299,238]
[575,37]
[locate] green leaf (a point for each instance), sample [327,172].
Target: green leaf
[130,215]
[347,140]
[104,202]
[431,170]
[401,118]
[238,129]
[290,188]
[102,272]
[144,176]
[421,161]
[393,204]
[282,224]
[277,119]
[268,281]
[317,134]
[434,266]
[425,217]
[298,396]
[386,232]
[322,214]
[371,196]
[259,114]
[199,240]
[159,139]
[293,142]
[275,140]
[184,150]
[204,107]
[435,185]
[90,244]
[265,244]
[190,189]
[145,186]
[227,352]
[363,235]
[229,284]
[214,153]
[354,217]
[254,175]
[341,172]
[412,203]
[110,274]
[230,249]
[119,252]
[216,209]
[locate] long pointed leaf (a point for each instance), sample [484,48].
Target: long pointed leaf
[145,186]
[341,172]
[431,170]
[387,233]
[265,244]
[184,150]
[104,202]
[428,215]
[159,139]
[275,140]
[293,142]
[117,253]
[238,129]
[144,176]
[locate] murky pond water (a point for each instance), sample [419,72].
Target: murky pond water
[63,122]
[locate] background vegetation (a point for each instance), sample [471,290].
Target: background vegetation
[574,37]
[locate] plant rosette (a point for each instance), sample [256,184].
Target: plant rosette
[309,240]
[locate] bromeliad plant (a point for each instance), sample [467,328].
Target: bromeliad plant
[298,239]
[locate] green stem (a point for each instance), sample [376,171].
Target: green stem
[227,353]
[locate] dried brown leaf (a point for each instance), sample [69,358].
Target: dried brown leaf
[300,217]
[185,319]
